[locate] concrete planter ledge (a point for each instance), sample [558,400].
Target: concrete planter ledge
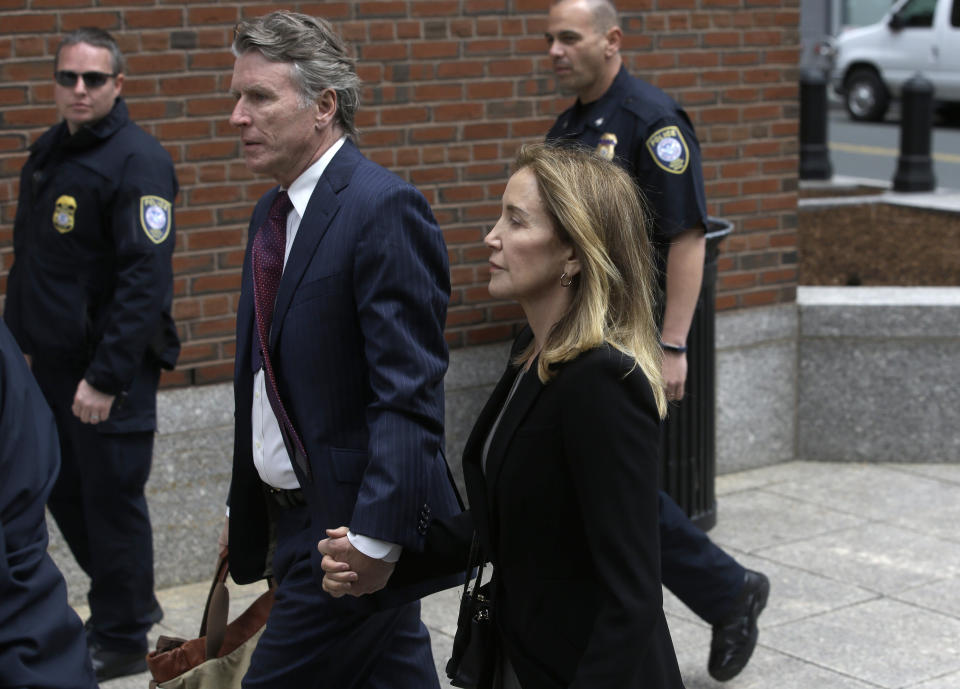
[880,312]
[912,296]
[833,192]
[879,374]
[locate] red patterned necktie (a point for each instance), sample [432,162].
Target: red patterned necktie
[268,249]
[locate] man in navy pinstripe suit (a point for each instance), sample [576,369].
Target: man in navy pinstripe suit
[339,369]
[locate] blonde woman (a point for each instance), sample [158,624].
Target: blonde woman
[561,466]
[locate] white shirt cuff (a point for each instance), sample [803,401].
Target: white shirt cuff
[375,548]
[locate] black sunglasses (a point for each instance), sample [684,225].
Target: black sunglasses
[93,80]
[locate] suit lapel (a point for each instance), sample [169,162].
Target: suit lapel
[245,314]
[477,492]
[527,392]
[317,219]
[480,489]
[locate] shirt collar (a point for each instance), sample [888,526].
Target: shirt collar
[302,188]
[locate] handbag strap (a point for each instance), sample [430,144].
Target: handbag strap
[474,555]
[215,612]
[217,609]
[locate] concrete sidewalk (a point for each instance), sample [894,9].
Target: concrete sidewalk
[864,563]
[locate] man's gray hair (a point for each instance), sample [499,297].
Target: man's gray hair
[317,55]
[98,38]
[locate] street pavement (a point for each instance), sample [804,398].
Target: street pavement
[872,149]
[864,564]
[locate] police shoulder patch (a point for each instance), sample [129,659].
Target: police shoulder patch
[155,218]
[669,150]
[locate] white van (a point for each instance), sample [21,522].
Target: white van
[870,64]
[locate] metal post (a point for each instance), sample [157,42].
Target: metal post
[915,165]
[814,154]
[688,436]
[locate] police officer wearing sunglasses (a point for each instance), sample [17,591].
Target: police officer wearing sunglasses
[88,301]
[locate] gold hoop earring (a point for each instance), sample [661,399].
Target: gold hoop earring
[569,280]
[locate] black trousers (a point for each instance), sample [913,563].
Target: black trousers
[99,504]
[313,641]
[694,568]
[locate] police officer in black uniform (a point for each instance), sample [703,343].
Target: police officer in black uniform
[644,130]
[41,639]
[88,300]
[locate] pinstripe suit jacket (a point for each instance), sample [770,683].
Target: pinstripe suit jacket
[359,354]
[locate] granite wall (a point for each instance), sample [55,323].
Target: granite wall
[879,374]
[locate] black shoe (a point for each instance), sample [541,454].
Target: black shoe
[155,616]
[110,664]
[735,638]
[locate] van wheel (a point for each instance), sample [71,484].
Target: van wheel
[866,96]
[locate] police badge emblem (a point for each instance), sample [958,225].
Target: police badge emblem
[155,217]
[607,146]
[63,213]
[669,150]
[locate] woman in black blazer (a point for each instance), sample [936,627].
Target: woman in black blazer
[561,466]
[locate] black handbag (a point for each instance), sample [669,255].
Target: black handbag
[472,657]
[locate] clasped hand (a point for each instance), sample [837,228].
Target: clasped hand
[347,571]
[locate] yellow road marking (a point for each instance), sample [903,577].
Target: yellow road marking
[887,152]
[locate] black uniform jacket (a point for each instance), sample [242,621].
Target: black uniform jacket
[647,133]
[91,285]
[42,644]
[567,513]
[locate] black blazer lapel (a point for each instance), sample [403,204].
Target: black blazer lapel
[320,212]
[473,449]
[527,392]
[480,484]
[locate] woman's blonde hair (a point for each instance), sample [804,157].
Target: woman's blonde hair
[597,208]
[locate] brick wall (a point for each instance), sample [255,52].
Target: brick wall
[452,88]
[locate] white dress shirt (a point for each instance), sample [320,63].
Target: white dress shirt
[269,453]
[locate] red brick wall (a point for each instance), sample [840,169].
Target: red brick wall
[452,88]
